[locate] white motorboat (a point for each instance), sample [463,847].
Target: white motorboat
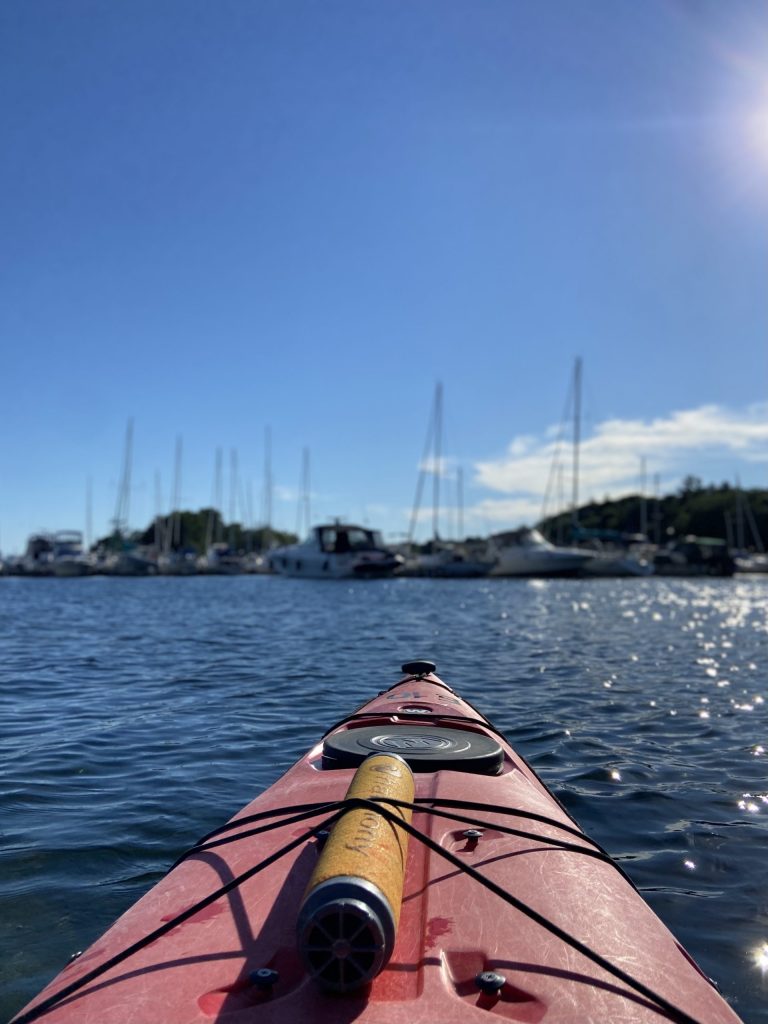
[616,553]
[618,564]
[526,552]
[750,562]
[68,557]
[694,556]
[448,560]
[38,558]
[336,551]
[177,563]
[220,560]
[129,562]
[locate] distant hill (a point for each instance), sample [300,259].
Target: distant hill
[739,517]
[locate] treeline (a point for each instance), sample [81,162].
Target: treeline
[739,517]
[194,531]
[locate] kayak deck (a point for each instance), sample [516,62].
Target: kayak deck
[236,960]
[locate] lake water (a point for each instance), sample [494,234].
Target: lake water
[137,714]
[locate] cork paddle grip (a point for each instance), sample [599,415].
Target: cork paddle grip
[348,918]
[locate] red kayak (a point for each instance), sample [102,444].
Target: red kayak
[411,867]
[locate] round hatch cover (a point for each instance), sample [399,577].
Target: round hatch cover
[426,748]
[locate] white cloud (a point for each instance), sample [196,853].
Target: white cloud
[610,460]
[522,445]
[485,515]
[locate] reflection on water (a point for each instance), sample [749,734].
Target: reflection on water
[139,714]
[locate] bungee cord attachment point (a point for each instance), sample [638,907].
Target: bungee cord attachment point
[390,810]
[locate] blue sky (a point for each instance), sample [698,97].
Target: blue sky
[222,217]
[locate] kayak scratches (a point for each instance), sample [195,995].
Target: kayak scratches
[206,914]
[436,928]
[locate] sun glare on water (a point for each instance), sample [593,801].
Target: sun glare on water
[761,957]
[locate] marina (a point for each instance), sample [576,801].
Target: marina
[344,550]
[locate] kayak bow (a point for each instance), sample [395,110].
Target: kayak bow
[410,867]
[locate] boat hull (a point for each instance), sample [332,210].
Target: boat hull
[452,929]
[318,566]
[534,563]
[71,567]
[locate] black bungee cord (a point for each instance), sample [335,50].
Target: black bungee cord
[337,810]
[69,990]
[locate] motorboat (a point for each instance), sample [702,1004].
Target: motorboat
[694,556]
[750,561]
[446,560]
[526,552]
[37,559]
[336,551]
[221,560]
[128,560]
[617,554]
[68,557]
[177,563]
[618,564]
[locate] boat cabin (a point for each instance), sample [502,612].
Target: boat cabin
[340,539]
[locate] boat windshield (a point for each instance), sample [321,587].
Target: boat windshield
[524,537]
[342,539]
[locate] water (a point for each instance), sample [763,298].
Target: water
[137,714]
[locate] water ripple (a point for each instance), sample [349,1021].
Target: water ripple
[139,714]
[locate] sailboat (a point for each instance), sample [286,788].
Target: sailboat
[746,560]
[173,560]
[124,557]
[525,551]
[605,552]
[439,557]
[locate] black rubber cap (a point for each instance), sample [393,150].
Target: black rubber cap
[490,982]
[425,748]
[418,668]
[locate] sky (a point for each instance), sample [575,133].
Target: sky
[226,221]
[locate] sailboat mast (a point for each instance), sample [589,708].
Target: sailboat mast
[175,538]
[307,515]
[420,479]
[219,499]
[302,510]
[460,501]
[656,510]
[267,486]
[576,440]
[122,509]
[88,514]
[233,486]
[643,502]
[436,462]
[739,516]
[158,533]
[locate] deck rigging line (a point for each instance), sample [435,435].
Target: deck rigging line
[336,810]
